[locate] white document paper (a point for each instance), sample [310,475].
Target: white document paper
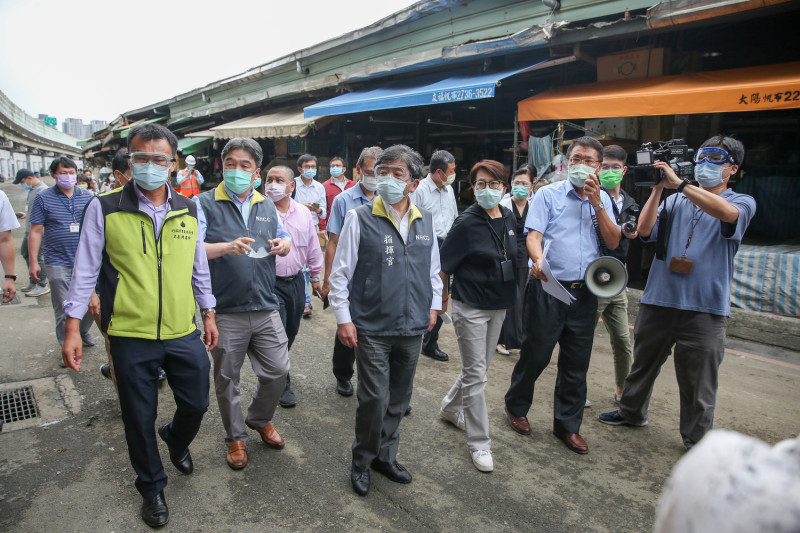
[552,286]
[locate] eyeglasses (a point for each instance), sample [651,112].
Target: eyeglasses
[574,160]
[494,184]
[610,167]
[520,184]
[710,154]
[162,160]
[395,171]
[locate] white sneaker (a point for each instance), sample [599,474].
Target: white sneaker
[457,419]
[482,459]
[587,404]
[39,291]
[29,287]
[501,350]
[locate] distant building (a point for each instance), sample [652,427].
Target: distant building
[74,127]
[98,125]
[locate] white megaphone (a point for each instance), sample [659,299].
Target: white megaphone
[606,277]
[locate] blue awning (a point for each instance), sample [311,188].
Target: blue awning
[458,86]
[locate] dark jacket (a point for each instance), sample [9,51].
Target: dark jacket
[472,254]
[621,216]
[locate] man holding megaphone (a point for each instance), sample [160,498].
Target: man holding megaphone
[568,216]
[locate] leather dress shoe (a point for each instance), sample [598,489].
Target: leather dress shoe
[269,435]
[574,442]
[182,459]
[408,411]
[518,423]
[237,455]
[360,480]
[394,471]
[154,510]
[436,354]
[344,387]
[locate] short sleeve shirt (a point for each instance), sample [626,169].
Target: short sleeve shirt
[8,219]
[57,213]
[707,288]
[349,199]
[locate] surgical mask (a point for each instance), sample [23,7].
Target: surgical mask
[578,174]
[309,173]
[610,178]
[257,183]
[391,189]
[189,167]
[66,181]
[488,198]
[335,171]
[276,191]
[26,187]
[370,183]
[450,179]
[520,192]
[237,180]
[708,175]
[149,176]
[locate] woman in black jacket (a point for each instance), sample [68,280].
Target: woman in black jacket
[480,251]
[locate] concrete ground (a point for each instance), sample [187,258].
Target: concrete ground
[69,470]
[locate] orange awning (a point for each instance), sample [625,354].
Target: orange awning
[723,91]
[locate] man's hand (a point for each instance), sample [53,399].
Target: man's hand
[72,349]
[35,270]
[432,321]
[9,290]
[630,235]
[316,289]
[20,215]
[240,246]
[325,290]
[311,207]
[592,189]
[347,334]
[670,179]
[94,306]
[210,335]
[536,271]
[280,247]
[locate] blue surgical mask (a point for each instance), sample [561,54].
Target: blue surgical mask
[708,175]
[520,192]
[336,171]
[257,183]
[238,181]
[309,173]
[578,174]
[149,176]
[488,198]
[26,187]
[391,189]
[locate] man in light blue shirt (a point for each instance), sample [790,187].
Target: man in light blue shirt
[569,216]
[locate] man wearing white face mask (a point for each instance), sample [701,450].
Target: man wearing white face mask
[687,299]
[243,233]
[571,216]
[436,195]
[189,179]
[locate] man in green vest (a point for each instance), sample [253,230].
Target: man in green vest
[142,241]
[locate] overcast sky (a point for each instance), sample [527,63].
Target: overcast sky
[94,59]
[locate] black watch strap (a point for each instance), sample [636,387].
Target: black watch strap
[683,185]
[11,276]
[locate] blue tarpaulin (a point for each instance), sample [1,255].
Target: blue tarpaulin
[437,88]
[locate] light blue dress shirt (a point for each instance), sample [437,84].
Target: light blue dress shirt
[566,223]
[244,210]
[344,202]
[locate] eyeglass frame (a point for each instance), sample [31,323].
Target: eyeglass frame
[169,158]
[406,172]
[488,184]
[574,160]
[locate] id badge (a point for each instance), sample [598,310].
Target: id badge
[507,270]
[681,265]
[74,228]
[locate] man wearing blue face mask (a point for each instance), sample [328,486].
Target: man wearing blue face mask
[311,194]
[687,299]
[569,216]
[243,233]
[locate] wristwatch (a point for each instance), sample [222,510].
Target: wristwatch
[683,185]
[599,207]
[314,280]
[204,312]
[11,276]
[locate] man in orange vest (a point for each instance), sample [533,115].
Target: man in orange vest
[189,179]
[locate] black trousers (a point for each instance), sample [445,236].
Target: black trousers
[430,340]
[343,360]
[549,321]
[292,297]
[136,363]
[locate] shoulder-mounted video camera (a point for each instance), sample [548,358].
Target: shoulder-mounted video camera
[675,152]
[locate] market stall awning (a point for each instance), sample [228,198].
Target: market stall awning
[431,89]
[760,88]
[190,145]
[285,122]
[123,134]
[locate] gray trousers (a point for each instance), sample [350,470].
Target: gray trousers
[23,251]
[386,367]
[60,278]
[477,331]
[699,340]
[615,318]
[260,335]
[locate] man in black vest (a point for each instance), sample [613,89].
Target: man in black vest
[385,291]
[243,233]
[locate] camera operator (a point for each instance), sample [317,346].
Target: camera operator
[615,310]
[686,302]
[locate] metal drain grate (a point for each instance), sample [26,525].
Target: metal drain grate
[18,404]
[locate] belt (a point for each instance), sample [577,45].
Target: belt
[577,284]
[288,278]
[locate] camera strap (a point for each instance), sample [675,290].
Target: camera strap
[600,243]
[664,228]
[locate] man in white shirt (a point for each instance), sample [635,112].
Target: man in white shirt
[436,195]
[311,194]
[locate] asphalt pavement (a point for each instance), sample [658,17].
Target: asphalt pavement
[68,469]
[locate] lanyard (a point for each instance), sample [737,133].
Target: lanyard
[66,204]
[695,209]
[496,236]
